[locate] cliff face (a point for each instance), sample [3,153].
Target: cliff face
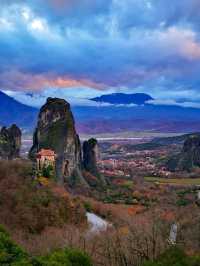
[189,157]
[90,157]
[10,142]
[56,130]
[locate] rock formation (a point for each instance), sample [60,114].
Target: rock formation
[56,130]
[189,157]
[10,142]
[90,153]
[90,157]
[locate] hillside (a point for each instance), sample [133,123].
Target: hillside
[173,140]
[31,206]
[155,118]
[160,142]
[14,112]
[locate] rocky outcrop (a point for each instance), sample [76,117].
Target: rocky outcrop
[90,158]
[10,142]
[90,154]
[189,157]
[56,130]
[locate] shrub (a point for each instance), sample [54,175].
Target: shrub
[77,258]
[10,253]
[29,206]
[175,257]
[67,257]
[87,206]
[48,171]
[182,202]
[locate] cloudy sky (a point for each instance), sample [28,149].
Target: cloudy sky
[77,49]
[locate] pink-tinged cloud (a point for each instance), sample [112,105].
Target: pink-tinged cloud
[181,42]
[60,4]
[191,49]
[16,80]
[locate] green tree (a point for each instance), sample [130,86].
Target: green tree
[67,257]
[174,257]
[10,253]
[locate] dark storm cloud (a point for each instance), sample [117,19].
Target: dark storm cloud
[148,44]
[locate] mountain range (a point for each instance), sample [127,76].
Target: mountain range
[122,98]
[14,112]
[126,113]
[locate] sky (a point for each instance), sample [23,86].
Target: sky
[78,49]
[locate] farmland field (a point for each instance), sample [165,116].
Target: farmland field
[174,181]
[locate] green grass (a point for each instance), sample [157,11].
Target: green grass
[128,184]
[174,181]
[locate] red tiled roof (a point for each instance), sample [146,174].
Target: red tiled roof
[46,152]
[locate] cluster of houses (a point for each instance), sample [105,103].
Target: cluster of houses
[109,167]
[122,166]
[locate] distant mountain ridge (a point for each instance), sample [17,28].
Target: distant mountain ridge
[147,117]
[14,112]
[123,98]
[110,119]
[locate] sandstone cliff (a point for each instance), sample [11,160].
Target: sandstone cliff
[10,142]
[56,130]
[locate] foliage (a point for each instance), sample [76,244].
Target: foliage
[12,255]
[67,257]
[28,206]
[182,202]
[48,171]
[175,181]
[43,181]
[87,206]
[174,257]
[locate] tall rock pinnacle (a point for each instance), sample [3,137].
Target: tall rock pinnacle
[56,130]
[90,154]
[90,157]
[10,142]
